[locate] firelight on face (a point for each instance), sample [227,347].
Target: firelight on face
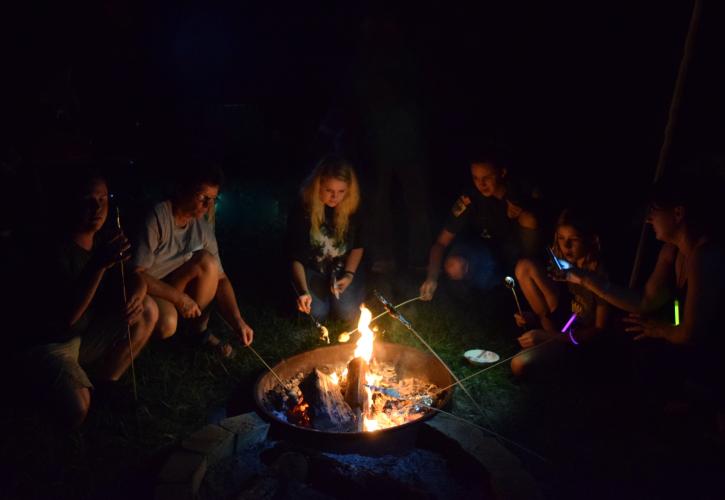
[332,191]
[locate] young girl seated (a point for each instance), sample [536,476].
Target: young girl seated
[554,303]
[325,242]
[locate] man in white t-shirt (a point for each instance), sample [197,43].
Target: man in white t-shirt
[178,257]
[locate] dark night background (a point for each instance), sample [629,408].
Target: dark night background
[578,93]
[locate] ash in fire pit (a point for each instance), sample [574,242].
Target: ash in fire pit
[339,399]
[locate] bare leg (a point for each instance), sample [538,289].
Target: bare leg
[168,318]
[543,361]
[199,277]
[72,404]
[540,291]
[118,361]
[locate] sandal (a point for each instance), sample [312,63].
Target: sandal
[214,344]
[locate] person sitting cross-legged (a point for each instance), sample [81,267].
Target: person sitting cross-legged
[178,257]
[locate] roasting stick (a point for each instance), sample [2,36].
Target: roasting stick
[125,299]
[494,365]
[265,364]
[323,329]
[393,312]
[386,312]
[256,354]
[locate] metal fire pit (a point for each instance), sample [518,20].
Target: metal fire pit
[408,362]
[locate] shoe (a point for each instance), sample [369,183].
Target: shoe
[214,344]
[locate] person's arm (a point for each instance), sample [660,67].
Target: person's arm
[136,292]
[656,290]
[229,309]
[105,256]
[84,291]
[187,307]
[435,259]
[351,264]
[304,299]
[702,303]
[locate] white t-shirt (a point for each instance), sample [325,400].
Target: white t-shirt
[163,246]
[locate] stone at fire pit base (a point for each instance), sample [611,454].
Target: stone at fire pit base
[508,479]
[249,428]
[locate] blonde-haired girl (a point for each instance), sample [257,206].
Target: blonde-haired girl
[325,241]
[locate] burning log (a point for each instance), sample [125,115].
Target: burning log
[328,409]
[356,394]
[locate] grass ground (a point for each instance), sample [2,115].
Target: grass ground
[588,431]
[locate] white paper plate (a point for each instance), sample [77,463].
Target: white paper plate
[481,356]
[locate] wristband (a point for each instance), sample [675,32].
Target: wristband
[302,294]
[351,273]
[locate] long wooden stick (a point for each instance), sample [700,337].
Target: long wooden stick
[125,300]
[670,127]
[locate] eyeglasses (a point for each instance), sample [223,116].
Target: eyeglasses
[206,200]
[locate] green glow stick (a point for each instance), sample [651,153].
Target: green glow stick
[677,312]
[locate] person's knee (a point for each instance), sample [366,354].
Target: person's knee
[166,325]
[150,311]
[456,267]
[524,268]
[206,262]
[76,408]
[149,318]
[519,366]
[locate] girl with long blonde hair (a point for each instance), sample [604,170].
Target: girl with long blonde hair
[325,241]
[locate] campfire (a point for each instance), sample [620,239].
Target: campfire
[371,386]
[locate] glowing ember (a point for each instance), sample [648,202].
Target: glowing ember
[364,346]
[371,425]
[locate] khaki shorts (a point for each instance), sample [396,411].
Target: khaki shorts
[66,362]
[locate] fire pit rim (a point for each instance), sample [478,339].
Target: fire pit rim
[268,415]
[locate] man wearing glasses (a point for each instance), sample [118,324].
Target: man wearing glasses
[178,256]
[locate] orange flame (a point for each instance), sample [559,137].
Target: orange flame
[364,346]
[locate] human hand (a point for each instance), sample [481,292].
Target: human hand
[532,338]
[304,303]
[460,205]
[134,307]
[110,252]
[187,307]
[246,334]
[427,289]
[340,285]
[571,275]
[525,319]
[513,211]
[643,327]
